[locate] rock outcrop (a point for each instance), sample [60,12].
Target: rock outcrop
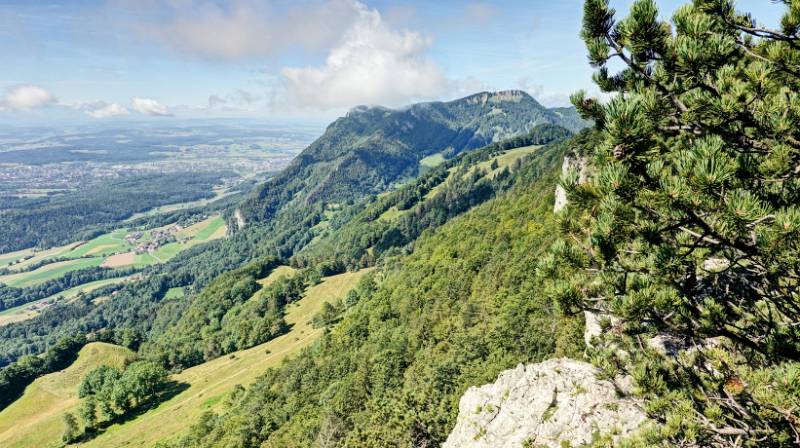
[543,405]
[571,161]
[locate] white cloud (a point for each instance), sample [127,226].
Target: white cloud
[101,109]
[27,97]
[542,95]
[370,64]
[243,29]
[148,106]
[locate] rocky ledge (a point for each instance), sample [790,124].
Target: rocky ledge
[543,405]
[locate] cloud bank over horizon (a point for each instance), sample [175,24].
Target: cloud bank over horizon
[309,60]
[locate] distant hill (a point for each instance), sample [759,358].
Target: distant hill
[371,148]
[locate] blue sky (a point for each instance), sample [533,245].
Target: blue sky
[280,60]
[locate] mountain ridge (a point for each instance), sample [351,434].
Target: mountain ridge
[372,148]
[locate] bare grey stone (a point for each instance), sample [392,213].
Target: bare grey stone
[542,405]
[571,161]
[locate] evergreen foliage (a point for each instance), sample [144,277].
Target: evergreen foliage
[15,377]
[358,237]
[372,149]
[11,297]
[115,393]
[411,338]
[689,225]
[232,313]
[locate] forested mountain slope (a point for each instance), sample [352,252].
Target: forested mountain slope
[410,300]
[463,306]
[142,310]
[371,148]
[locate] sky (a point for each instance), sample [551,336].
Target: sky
[284,61]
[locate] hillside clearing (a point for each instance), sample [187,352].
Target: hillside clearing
[34,420]
[280,271]
[39,415]
[210,382]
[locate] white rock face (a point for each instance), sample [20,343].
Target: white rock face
[240,223]
[570,162]
[541,405]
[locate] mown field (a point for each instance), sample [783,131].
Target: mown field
[110,246]
[49,272]
[108,250]
[39,414]
[219,193]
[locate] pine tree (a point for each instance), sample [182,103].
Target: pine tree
[689,225]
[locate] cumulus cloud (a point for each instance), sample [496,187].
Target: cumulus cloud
[101,109]
[366,59]
[27,97]
[148,106]
[545,97]
[370,64]
[243,29]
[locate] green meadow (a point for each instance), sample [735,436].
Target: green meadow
[35,420]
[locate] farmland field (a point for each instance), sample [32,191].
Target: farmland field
[49,272]
[108,250]
[219,193]
[102,245]
[11,257]
[35,256]
[32,309]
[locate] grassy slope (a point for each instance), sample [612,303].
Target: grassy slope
[506,159]
[34,420]
[280,271]
[104,244]
[37,256]
[211,381]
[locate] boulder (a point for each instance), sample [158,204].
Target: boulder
[543,405]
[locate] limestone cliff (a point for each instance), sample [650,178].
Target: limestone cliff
[543,405]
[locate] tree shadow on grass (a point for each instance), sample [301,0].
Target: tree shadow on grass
[172,390]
